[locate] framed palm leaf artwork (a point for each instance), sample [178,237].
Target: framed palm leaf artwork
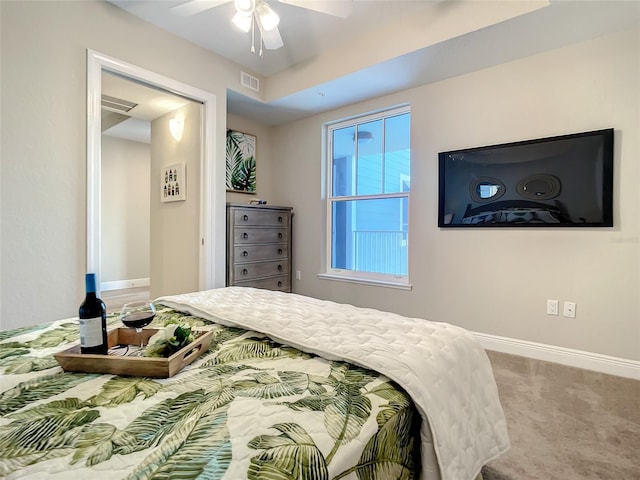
[241,162]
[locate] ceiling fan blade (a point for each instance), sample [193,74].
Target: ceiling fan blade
[336,8]
[193,7]
[271,39]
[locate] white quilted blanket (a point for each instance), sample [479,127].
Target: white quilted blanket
[441,366]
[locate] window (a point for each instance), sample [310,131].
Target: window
[369,180]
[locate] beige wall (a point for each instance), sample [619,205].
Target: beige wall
[125,209]
[497,281]
[491,281]
[43,149]
[175,225]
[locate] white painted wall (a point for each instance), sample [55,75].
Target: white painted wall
[175,225]
[582,87]
[496,281]
[43,149]
[125,209]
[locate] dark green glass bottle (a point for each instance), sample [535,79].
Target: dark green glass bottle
[93,320]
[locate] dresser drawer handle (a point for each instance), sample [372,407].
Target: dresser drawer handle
[279,234]
[280,219]
[245,218]
[279,268]
[245,254]
[279,284]
[279,251]
[245,271]
[245,235]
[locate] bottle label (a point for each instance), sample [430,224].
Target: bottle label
[90,332]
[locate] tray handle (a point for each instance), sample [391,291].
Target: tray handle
[189,356]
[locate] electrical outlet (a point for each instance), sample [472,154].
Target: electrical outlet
[552,307]
[569,310]
[298,275]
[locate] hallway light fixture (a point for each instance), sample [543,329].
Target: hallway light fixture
[176,127]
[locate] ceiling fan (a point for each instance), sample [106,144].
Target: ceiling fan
[252,13]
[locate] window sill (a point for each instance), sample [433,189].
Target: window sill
[365,281]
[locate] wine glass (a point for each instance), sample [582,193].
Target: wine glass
[138,315]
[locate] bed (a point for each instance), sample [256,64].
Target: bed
[515,212]
[291,387]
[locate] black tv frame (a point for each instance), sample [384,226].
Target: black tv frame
[606,184]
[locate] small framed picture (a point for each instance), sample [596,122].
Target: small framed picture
[173,185]
[241,162]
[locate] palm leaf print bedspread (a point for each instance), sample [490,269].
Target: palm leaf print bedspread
[443,367]
[248,408]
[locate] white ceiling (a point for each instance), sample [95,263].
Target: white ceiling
[311,37]
[306,33]
[151,103]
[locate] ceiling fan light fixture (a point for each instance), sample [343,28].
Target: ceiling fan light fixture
[242,21]
[245,6]
[267,17]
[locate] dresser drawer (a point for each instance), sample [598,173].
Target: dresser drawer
[272,283]
[257,217]
[260,235]
[250,253]
[260,269]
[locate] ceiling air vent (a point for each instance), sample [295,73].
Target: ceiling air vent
[117,104]
[249,81]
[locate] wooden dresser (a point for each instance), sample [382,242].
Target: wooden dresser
[259,246]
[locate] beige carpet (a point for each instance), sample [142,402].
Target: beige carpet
[566,423]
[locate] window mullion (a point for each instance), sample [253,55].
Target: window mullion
[373,196]
[382,156]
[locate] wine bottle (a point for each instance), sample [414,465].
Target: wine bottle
[93,320]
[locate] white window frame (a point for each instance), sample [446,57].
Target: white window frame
[355,276]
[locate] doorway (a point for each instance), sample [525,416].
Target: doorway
[136,143]
[208,243]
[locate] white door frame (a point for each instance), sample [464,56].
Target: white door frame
[211,242]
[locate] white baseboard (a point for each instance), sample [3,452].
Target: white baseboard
[120,284]
[620,367]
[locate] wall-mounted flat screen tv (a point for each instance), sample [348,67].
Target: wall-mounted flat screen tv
[564,181]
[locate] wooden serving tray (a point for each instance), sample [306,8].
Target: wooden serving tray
[71,360]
